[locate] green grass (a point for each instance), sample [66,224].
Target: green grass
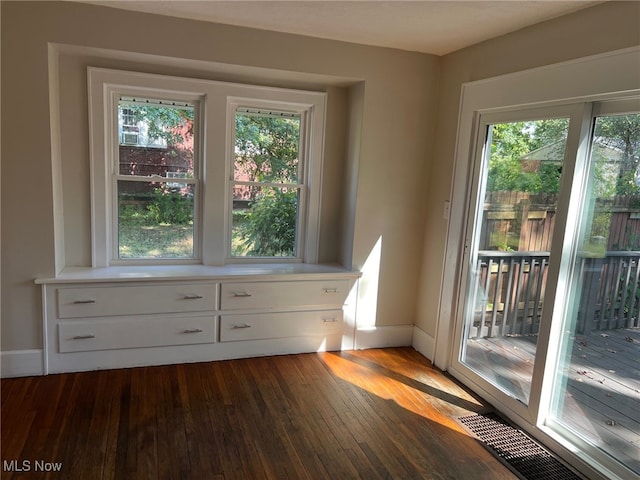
[141,236]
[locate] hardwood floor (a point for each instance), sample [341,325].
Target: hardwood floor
[372,414]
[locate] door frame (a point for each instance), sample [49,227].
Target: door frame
[603,77]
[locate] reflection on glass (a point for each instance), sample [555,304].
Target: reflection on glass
[597,393]
[155,220]
[513,229]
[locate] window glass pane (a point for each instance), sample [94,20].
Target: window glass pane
[597,390]
[155,220]
[513,227]
[266,224]
[267,148]
[155,138]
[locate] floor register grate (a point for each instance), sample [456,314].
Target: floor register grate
[515,449]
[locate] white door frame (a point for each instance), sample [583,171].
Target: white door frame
[597,78]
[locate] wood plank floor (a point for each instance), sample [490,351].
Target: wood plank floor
[372,414]
[602,399]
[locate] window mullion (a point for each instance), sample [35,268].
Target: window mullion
[268,184]
[155,179]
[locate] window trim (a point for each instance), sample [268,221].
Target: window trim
[214,100]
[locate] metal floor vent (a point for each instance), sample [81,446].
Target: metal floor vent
[515,449]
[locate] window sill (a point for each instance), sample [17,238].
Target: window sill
[117,274]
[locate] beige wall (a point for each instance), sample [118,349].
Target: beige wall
[603,28]
[386,175]
[374,182]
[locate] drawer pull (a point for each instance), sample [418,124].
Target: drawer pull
[84,337]
[193,330]
[241,325]
[241,294]
[82,302]
[192,297]
[329,320]
[330,290]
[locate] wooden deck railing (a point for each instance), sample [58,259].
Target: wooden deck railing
[510,292]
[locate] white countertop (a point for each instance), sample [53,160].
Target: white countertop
[237,272]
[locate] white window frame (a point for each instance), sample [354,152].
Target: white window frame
[305,112]
[214,100]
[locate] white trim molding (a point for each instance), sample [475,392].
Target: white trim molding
[21,363]
[423,343]
[383,337]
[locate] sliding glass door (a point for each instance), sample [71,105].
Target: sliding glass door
[519,183]
[548,326]
[596,392]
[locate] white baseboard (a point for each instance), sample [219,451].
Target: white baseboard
[176,354]
[382,337]
[21,363]
[424,343]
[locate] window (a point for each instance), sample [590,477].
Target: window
[156,217]
[266,186]
[193,171]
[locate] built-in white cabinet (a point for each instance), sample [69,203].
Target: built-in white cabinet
[120,317]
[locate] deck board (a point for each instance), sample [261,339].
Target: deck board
[603,383]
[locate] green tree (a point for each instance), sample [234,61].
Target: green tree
[267,153]
[510,142]
[622,133]
[164,122]
[266,149]
[270,229]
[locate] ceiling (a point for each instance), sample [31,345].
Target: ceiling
[428,26]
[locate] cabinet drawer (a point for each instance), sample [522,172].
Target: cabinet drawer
[115,333]
[273,295]
[280,325]
[78,302]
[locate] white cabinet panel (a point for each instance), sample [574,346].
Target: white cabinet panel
[280,325]
[120,317]
[274,295]
[78,302]
[125,332]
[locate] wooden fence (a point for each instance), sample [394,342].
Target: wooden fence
[521,221]
[509,293]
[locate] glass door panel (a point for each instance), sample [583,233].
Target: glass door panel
[597,389]
[513,228]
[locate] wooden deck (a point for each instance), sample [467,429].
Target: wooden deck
[602,400]
[373,414]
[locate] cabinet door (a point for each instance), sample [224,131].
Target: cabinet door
[280,325]
[78,302]
[273,295]
[118,333]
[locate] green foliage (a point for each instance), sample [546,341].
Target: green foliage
[267,148]
[171,207]
[164,122]
[622,133]
[510,142]
[616,133]
[269,230]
